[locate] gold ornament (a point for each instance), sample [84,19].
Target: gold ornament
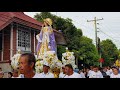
[48,21]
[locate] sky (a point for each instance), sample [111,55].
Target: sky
[108,28]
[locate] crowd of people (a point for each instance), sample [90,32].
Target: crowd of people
[27,70]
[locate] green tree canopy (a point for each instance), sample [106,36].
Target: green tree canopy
[87,51]
[109,51]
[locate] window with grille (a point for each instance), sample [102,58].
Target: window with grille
[24,39]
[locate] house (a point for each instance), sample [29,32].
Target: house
[18,31]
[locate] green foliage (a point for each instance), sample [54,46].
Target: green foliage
[61,49]
[88,51]
[109,51]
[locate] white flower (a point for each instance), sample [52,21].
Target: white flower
[39,66]
[68,58]
[15,61]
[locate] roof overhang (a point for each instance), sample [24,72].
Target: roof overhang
[58,35]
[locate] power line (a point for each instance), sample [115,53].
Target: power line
[92,28]
[111,37]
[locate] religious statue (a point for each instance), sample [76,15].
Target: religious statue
[47,49]
[46,39]
[68,58]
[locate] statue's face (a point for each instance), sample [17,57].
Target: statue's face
[48,21]
[45,23]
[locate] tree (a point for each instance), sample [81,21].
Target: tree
[109,52]
[60,49]
[88,51]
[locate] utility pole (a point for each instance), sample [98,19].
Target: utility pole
[96,37]
[95,23]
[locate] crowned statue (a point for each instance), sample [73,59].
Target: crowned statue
[47,48]
[46,39]
[68,58]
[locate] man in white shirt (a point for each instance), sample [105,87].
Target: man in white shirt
[89,71]
[106,71]
[27,66]
[62,74]
[96,73]
[109,70]
[82,74]
[115,73]
[46,73]
[70,73]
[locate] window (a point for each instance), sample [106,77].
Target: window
[24,39]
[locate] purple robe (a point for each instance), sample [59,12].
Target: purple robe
[52,42]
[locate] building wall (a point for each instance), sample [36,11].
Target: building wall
[5,67]
[7,37]
[6,53]
[14,40]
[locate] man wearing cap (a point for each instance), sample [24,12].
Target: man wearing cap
[46,73]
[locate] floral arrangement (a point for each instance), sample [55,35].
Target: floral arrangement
[15,60]
[51,58]
[69,58]
[39,66]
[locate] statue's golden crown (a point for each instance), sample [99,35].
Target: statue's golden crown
[48,20]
